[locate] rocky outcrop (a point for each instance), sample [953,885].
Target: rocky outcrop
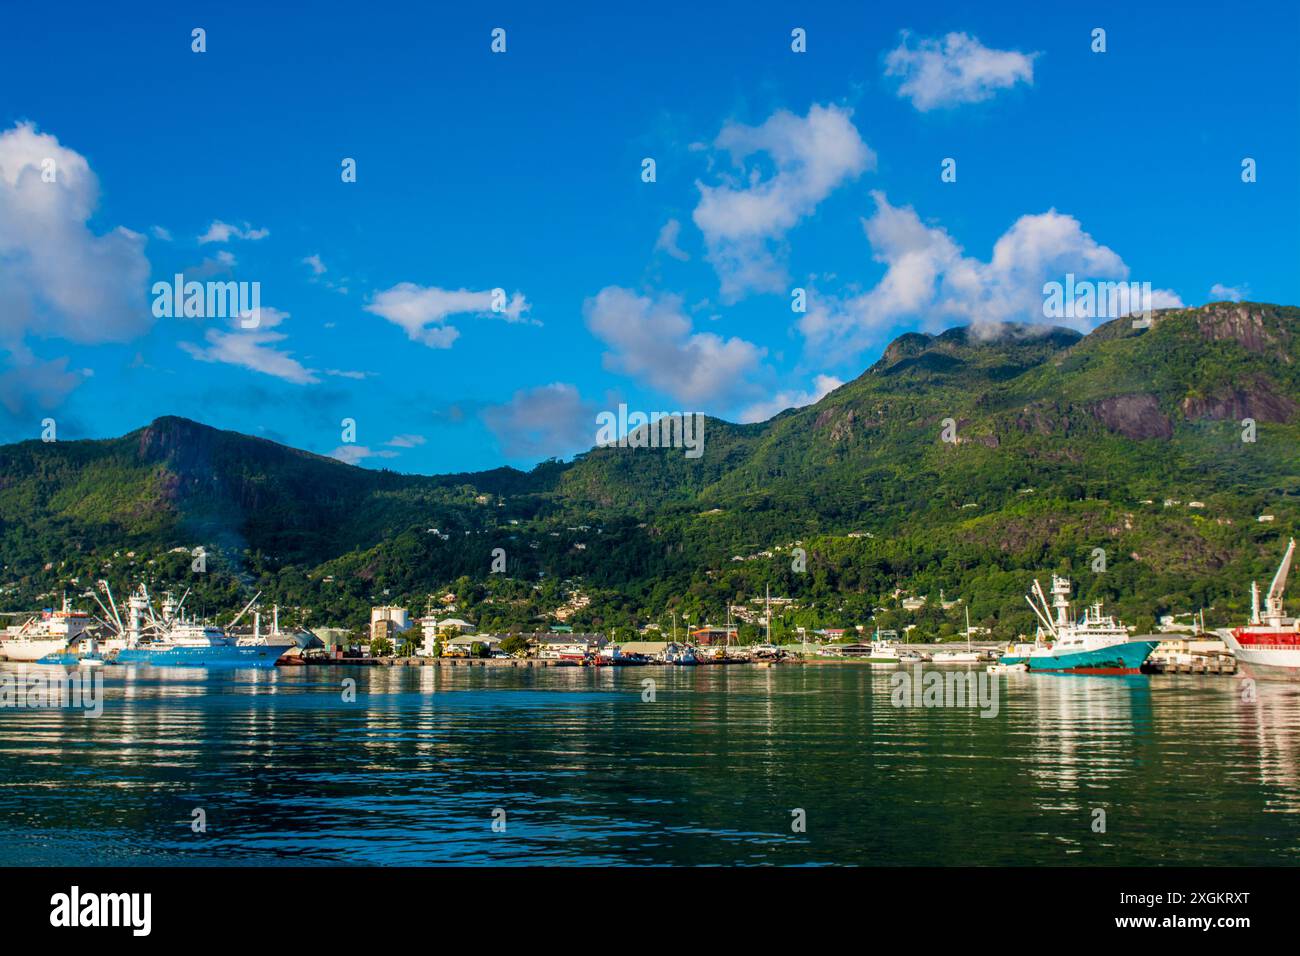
[1258,401]
[1255,328]
[1135,416]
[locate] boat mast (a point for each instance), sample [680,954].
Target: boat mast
[769,614]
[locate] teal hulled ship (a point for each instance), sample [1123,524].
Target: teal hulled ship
[1093,644]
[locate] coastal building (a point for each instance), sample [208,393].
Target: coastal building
[652,649]
[398,617]
[463,645]
[336,639]
[432,627]
[707,636]
[1188,650]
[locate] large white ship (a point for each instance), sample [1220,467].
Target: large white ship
[1269,645]
[50,632]
[1094,644]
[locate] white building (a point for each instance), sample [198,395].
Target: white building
[400,617]
[432,627]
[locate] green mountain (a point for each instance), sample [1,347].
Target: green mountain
[961,461]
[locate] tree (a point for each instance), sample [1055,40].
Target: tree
[514,644]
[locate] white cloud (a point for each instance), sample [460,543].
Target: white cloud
[957,69]
[314,262]
[823,385]
[747,215]
[929,279]
[58,279]
[255,349]
[405,441]
[654,342]
[161,233]
[423,310]
[550,420]
[667,241]
[223,232]
[355,454]
[1220,292]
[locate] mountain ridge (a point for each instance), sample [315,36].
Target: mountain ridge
[1056,437]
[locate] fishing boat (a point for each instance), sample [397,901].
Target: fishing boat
[50,632]
[169,639]
[680,654]
[1093,644]
[1268,646]
[883,652]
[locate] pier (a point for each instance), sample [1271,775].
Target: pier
[1205,665]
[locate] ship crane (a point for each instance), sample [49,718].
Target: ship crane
[1044,613]
[247,606]
[1274,613]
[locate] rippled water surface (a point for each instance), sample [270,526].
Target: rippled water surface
[287,771]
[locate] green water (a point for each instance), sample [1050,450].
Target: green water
[587,772]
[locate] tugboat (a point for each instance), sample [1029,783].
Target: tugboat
[1096,644]
[1270,644]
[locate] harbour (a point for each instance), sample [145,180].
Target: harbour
[289,771]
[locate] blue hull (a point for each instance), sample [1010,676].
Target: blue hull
[67,659]
[1124,658]
[222,656]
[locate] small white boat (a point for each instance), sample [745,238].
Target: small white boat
[1007,668]
[955,657]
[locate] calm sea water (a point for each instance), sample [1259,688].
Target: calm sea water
[287,772]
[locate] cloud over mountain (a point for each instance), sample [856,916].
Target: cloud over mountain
[929,279]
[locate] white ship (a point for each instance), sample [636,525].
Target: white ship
[1094,644]
[1269,645]
[48,633]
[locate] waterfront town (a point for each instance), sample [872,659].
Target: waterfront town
[394,637]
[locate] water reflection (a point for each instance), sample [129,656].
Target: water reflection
[289,770]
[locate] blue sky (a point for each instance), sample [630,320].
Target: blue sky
[522,171]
